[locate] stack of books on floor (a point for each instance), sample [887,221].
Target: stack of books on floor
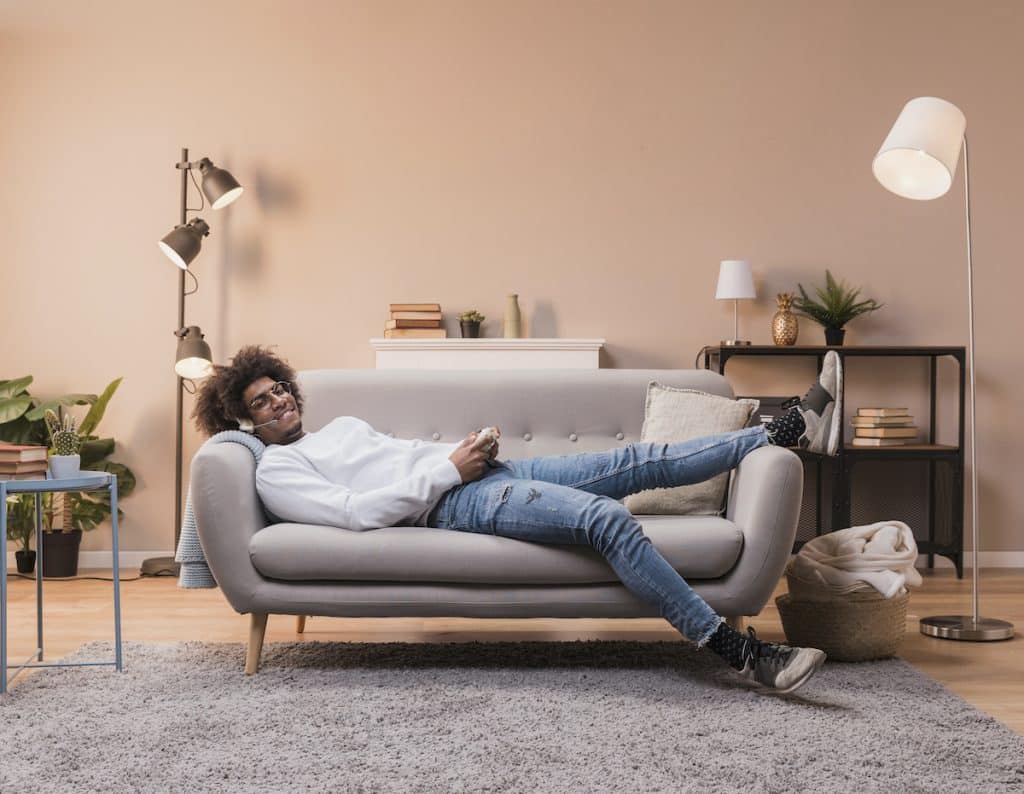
[883,427]
[414,321]
[22,462]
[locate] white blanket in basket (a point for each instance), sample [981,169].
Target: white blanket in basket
[881,555]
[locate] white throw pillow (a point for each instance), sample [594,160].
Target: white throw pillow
[673,414]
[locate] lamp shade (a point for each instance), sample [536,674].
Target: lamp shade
[194,359]
[735,281]
[182,243]
[219,186]
[919,157]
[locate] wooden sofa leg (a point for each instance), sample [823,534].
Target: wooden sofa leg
[737,622]
[257,628]
[300,624]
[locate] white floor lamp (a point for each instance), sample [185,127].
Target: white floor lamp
[918,161]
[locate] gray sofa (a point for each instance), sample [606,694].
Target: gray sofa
[734,561]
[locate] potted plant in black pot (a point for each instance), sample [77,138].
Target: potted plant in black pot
[835,306]
[21,523]
[469,323]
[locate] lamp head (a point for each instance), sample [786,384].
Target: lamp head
[182,243]
[918,158]
[194,359]
[218,185]
[735,280]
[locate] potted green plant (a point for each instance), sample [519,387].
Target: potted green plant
[21,522]
[835,306]
[469,324]
[22,421]
[65,444]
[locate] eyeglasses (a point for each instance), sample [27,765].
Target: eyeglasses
[261,401]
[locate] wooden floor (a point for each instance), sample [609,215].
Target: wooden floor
[988,675]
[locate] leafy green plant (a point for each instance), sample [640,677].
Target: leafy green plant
[23,421]
[836,305]
[471,317]
[21,519]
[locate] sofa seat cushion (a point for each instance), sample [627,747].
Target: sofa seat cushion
[699,547]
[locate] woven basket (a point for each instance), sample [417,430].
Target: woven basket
[805,590]
[852,628]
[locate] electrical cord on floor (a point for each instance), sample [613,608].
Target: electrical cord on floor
[77,578]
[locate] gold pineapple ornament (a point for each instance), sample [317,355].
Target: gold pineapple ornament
[784,323]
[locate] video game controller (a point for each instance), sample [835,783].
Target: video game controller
[486,438]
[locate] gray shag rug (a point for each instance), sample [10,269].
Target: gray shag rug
[488,717]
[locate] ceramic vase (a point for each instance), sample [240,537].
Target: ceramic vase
[513,317]
[784,324]
[64,467]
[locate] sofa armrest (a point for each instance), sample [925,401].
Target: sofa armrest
[764,503]
[228,513]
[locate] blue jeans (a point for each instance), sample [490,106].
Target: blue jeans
[571,499]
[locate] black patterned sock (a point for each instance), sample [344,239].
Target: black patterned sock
[728,643]
[787,429]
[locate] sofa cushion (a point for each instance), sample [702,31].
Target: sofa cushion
[699,547]
[673,414]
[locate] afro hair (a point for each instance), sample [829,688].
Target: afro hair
[219,404]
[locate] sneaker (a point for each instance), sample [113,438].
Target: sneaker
[822,408]
[776,666]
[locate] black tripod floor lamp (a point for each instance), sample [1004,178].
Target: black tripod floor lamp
[194,359]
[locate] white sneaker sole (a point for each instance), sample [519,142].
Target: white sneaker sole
[833,383]
[807,662]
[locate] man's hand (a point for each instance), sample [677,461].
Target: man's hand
[470,460]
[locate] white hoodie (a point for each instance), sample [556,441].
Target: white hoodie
[349,475]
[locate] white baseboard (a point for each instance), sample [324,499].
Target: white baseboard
[102,559]
[134,559]
[988,559]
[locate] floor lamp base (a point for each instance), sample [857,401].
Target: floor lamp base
[160,566]
[965,627]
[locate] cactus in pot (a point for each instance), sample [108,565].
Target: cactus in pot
[65,444]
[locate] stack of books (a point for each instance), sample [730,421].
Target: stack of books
[22,462]
[883,427]
[414,321]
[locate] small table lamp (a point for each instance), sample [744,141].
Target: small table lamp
[735,283]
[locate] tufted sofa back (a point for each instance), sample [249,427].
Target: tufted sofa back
[540,412]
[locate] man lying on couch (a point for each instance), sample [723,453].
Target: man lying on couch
[348,475]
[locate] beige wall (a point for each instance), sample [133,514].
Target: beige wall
[597,158]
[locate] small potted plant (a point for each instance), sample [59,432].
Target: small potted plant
[835,306]
[65,444]
[21,524]
[469,323]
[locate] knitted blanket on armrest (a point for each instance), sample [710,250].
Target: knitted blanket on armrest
[195,573]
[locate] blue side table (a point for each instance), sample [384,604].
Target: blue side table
[88,481]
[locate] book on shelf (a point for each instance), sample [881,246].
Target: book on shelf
[886,432]
[19,453]
[35,475]
[879,442]
[416,316]
[883,412]
[415,333]
[414,307]
[881,421]
[412,324]
[21,467]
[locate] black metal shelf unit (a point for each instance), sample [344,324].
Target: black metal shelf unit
[919,484]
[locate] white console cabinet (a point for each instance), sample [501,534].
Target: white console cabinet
[487,353]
